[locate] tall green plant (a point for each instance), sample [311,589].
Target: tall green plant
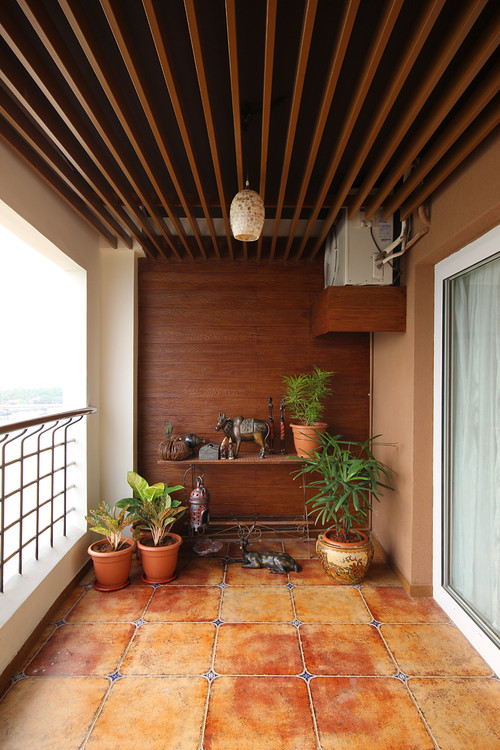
[350,476]
[152,508]
[305,394]
[104,521]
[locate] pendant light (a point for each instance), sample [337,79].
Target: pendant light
[247,215]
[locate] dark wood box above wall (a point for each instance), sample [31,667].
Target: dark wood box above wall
[360,308]
[219,337]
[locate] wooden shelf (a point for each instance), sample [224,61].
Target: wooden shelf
[243,459]
[360,309]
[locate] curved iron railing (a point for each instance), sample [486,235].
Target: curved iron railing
[34,484]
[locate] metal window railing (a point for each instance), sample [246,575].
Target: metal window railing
[35,462]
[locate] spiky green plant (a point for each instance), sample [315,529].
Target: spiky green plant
[305,394]
[350,477]
[152,508]
[104,521]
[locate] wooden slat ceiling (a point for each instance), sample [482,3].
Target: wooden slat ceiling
[147,116]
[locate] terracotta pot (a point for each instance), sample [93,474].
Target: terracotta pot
[305,437]
[345,562]
[142,536]
[112,569]
[159,563]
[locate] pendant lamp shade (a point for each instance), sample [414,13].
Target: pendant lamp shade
[247,215]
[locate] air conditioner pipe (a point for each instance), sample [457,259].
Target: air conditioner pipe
[406,245]
[388,254]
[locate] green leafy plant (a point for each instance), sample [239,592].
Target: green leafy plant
[350,476]
[152,508]
[104,521]
[305,394]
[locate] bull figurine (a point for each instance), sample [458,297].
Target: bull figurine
[239,429]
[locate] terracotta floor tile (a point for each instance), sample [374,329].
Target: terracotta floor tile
[152,712]
[238,576]
[47,713]
[136,571]
[301,550]
[255,649]
[392,604]
[461,713]
[379,574]
[126,605]
[256,604]
[259,713]
[94,649]
[361,713]
[66,605]
[433,650]
[311,574]
[200,571]
[43,638]
[171,648]
[345,650]
[330,604]
[89,577]
[184,604]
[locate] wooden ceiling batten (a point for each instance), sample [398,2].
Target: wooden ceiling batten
[19,146]
[394,87]
[207,110]
[336,63]
[45,93]
[232,47]
[172,87]
[463,25]
[58,164]
[470,67]
[103,73]
[25,94]
[271,12]
[476,134]
[378,48]
[468,113]
[300,73]
[125,45]
[135,111]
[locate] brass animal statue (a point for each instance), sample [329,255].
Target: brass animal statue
[239,429]
[276,562]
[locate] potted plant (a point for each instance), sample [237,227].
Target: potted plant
[304,395]
[349,477]
[153,510]
[111,556]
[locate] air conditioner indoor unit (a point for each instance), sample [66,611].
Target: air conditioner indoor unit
[352,251]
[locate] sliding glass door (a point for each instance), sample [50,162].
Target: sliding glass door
[467,513]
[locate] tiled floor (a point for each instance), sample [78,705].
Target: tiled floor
[230,659]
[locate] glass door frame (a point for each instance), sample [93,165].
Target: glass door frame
[474,253]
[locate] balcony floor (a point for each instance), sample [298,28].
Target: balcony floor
[247,659]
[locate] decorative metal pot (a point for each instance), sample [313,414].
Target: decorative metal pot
[198,506]
[345,562]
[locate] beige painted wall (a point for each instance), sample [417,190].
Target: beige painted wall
[118,372]
[28,196]
[466,207]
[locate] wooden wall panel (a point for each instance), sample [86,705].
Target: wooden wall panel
[219,337]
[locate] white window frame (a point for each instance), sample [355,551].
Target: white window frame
[476,252]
